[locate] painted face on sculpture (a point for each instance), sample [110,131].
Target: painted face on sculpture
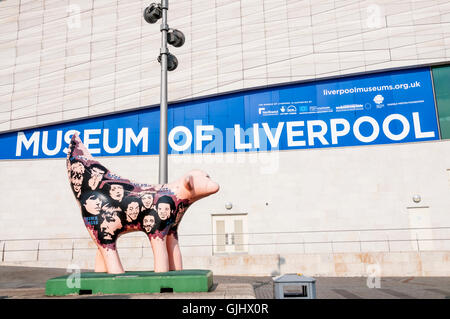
[96,177]
[93,204]
[148,223]
[132,211]
[116,192]
[163,211]
[110,224]
[76,176]
[147,200]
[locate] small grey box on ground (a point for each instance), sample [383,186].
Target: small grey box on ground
[294,286]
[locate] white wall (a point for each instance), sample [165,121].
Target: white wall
[67,59]
[327,190]
[373,264]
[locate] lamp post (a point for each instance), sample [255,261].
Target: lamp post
[168,62]
[163,156]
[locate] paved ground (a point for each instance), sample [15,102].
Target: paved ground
[356,288]
[26,282]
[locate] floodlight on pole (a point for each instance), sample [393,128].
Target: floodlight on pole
[175,37]
[153,13]
[172,61]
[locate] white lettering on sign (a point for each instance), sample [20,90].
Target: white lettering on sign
[256,143]
[45,148]
[417,130]
[238,140]
[187,143]
[130,136]
[396,137]
[199,129]
[273,139]
[88,141]
[375,127]
[22,140]
[335,133]
[320,134]
[118,147]
[67,138]
[291,133]
[255,137]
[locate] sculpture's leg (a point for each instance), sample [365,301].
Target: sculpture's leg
[110,257]
[173,249]
[100,265]
[160,256]
[112,260]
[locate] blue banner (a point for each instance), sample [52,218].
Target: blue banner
[382,108]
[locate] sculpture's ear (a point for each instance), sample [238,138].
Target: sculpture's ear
[189,183]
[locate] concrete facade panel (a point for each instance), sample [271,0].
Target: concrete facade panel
[269,42]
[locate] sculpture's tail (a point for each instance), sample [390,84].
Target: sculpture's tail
[77,149]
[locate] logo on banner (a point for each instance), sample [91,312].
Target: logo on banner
[303,109]
[379,99]
[291,109]
[268,112]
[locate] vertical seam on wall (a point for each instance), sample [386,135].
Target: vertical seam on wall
[414,31]
[313,42]
[362,37]
[242,43]
[65,62]
[388,39]
[265,44]
[338,53]
[289,41]
[217,47]
[40,61]
[15,67]
[90,56]
[115,56]
[190,51]
[442,33]
[140,54]
[142,69]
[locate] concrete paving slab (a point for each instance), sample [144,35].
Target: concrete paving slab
[221,291]
[27,282]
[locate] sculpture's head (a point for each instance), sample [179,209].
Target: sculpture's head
[197,184]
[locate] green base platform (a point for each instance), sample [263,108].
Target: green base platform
[194,280]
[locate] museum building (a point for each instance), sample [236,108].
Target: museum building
[326,124]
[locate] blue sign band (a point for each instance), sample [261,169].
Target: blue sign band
[383,108]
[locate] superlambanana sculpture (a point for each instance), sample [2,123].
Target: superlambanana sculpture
[112,206]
